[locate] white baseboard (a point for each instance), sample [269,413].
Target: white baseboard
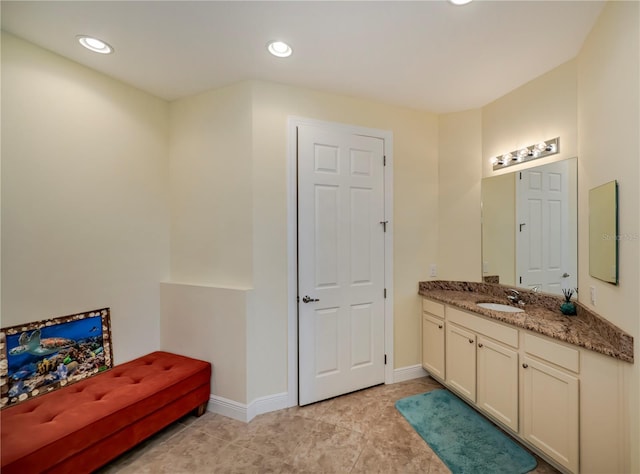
[242,412]
[267,404]
[408,373]
[229,408]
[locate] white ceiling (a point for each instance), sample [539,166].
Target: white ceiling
[423,54]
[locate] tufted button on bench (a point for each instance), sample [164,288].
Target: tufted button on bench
[83,426]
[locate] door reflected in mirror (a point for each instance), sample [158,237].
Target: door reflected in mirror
[603,232]
[529,227]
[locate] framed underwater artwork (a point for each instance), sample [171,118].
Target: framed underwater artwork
[39,357]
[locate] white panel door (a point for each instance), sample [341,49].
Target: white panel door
[544,247]
[340,262]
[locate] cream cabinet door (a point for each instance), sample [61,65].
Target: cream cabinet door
[461,361]
[498,381]
[550,411]
[433,345]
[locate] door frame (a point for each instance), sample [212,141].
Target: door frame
[292,243]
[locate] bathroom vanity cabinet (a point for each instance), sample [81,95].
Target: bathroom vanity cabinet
[530,385]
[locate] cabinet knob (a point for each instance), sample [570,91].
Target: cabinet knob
[439,326]
[524,366]
[479,344]
[470,341]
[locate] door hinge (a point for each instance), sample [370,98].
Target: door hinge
[384,160]
[385,359]
[385,293]
[384,225]
[520,279]
[521,175]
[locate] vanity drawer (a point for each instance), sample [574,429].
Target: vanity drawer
[429,306]
[563,356]
[499,332]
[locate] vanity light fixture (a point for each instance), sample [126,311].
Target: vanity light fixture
[279,49]
[531,152]
[94,44]
[459,2]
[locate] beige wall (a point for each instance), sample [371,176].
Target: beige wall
[609,148]
[84,196]
[459,173]
[209,324]
[211,188]
[204,305]
[498,222]
[539,110]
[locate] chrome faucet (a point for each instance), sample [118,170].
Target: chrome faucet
[514,297]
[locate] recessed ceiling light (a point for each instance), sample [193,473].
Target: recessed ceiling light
[460,2]
[94,44]
[279,49]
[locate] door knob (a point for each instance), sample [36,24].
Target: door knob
[308,299]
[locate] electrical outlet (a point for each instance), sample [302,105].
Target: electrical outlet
[592,294]
[433,270]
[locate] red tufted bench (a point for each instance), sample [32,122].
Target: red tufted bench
[82,426]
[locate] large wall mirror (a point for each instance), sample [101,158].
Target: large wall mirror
[530,227]
[603,232]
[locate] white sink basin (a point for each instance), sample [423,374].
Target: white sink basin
[500,307]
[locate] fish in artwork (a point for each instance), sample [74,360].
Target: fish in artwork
[34,345]
[24,372]
[21,374]
[17,389]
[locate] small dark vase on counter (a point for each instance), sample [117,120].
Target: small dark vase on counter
[568,307]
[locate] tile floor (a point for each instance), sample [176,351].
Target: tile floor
[359,433]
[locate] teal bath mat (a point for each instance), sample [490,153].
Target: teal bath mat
[465,441]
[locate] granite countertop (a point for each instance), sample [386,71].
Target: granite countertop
[541,314]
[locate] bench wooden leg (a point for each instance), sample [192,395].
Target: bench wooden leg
[201,409]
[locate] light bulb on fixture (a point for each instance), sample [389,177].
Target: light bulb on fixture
[522,154]
[531,152]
